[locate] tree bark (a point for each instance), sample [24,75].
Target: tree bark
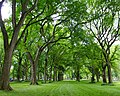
[4,83]
[109,72]
[33,75]
[97,74]
[106,54]
[78,74]
[93,76]
[33,69]
[26,71]
[38,73]
[104,74]
[19,69]
[26,76]
[45,71]
[55,73]
[50,77]
[60,75]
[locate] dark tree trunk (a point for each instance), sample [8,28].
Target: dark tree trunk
[19,69]
[4,83]
[38,73]
[109,73]
[87,75]
[108,64]
[78,74]
[60,75]
[55,73]
[104,74]
[45,71]
[93,76]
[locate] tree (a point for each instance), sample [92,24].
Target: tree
[106,28]
[23,9]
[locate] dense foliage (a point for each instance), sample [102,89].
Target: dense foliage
[53,40]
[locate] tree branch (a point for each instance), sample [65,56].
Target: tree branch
[14,13]
[19,25]
[30,57]
[34,5]
[3,29]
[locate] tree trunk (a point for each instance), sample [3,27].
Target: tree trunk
[26,76]
[104,74]
[87,75]
[26,71]
[55,73]
[109,73]
[78,74]
[45,71]
[23,74]
[73,75]
[4,83]
[97,74]
[60,76]
[93,76]
[50,77]
[108,64]
[33,75]
[33,68]
[38,73]
[19,69]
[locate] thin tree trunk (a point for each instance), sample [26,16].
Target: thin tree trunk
[19,69]
[97,74]
[73,75]
[38,73]
[26,71]
[78,74]
[23,78]
[50,77]
[26,76]
[93,76]
[13,74]
[55,73]
[45,71]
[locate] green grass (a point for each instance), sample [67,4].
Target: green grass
[64,88]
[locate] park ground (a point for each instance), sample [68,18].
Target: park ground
[63,88]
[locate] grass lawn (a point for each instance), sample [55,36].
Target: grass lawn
[63,88]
